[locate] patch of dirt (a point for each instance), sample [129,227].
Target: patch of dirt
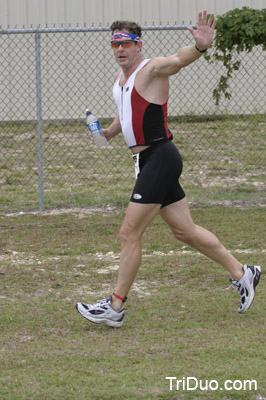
[81,212]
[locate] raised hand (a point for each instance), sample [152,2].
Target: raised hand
[205,30]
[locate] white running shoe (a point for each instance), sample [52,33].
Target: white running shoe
[102,311]
[246,286]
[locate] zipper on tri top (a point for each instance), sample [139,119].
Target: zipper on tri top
[122,103]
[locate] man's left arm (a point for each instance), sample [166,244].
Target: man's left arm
[203,36]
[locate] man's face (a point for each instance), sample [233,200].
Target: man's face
[126,52]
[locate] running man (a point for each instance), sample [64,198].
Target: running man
[141,90]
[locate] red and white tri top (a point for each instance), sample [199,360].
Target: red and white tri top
[142,122]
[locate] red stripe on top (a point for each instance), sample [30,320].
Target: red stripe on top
[139,106]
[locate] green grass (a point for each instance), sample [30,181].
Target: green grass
[180,321]
[224,160]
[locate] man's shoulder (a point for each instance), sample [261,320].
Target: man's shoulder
[151,67]
[151,62]
[116,75]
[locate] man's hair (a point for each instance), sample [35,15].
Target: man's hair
[131,27]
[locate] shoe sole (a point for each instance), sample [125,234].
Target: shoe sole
[113,324]
[255,281]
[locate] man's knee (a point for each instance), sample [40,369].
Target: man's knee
[137,219]
[123,233]
[186,234]
[128,233]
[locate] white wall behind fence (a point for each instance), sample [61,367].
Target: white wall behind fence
[27,13]
[17,64]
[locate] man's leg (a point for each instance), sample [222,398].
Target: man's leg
[137,218]
[110,310]
[178,217]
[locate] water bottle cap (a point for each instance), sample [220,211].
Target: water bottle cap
[88,112]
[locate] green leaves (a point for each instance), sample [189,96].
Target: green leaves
[237,30]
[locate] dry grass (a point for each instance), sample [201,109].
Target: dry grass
[180,319]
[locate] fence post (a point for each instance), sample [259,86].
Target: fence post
[39,119]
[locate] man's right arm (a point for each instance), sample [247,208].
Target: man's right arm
[113,129]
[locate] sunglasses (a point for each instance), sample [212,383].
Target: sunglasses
[124,43]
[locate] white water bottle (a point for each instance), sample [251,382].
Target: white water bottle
[96,130]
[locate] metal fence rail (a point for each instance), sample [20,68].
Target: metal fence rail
[49,76]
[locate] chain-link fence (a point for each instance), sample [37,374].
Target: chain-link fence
[48,77]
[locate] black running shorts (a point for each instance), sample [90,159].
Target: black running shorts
[160,167]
